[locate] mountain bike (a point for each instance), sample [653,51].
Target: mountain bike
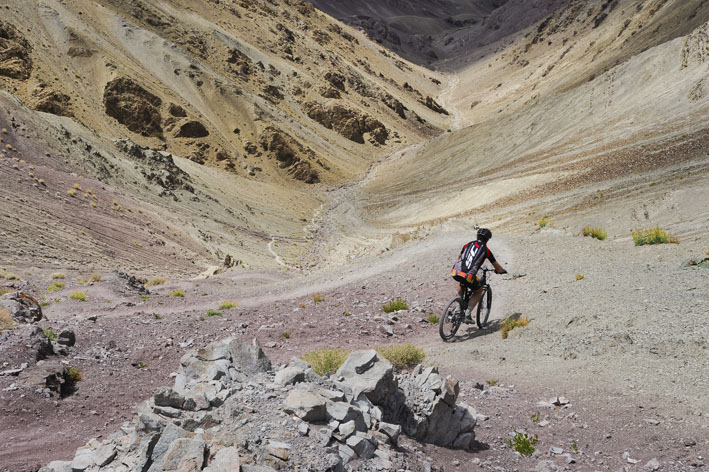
[455,313]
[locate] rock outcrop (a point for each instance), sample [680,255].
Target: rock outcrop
[289,155]
[158,168]
[433,105]
[133,106]
[227,411]
[351,124]
[15,58]
[23,308]
[50,101]
[192,129]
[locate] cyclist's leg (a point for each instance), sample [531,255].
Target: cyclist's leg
[477,291]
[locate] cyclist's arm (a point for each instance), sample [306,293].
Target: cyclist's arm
[498,268]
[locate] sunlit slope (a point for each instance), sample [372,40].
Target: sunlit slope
[639,120]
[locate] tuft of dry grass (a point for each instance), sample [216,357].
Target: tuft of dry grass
[402,355]
[178,293]
[58,275]
[594,232]
[74,374]
[580,276]
[395,305]
[327,360]
[55,286]
[95,278]
[6,320]
[227,305]
[77,295]
[654,235]
[511,323]
[317,298]
[155,281]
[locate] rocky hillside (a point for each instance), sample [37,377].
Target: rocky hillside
[180,109]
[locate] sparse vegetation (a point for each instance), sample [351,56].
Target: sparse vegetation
[317,298]
[654,235]
[511,323]
[45,303]
[574,446]
[212,313]
[544,222]
[71,193]
[11,276]
[83,281]
[346,313]
[286,334]
[77,295]
[95,278]
[6,320]
[142,365]
[535,417]
[57,275]
[402,355]
[51,334]
[580,276]
[145,298]
[395,305]
[492,383]
[227,305]
[157,316]
[74,374]
[4,290]
[594,232]
[55,286]
[179,293]
[433,319]
[523,443]
[326,361]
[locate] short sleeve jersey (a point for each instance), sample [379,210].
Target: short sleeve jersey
[490,257]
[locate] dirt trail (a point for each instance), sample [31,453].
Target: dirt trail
[446,100]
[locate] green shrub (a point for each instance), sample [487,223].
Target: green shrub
[55,286]
[57,275]
[51,334]
[433,319]
[326,361]
[402,355]
[511,323]
[227,305]
[45,303]
[286,335]
[145,298]
[544,222]
[76,295]
[157,316]
[492,383]
[74,374]
[212,313]
[594,232]
[653,236]
[523,443]
[178,292]
[155,281]
[395,305]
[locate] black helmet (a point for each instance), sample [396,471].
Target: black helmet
[484,235]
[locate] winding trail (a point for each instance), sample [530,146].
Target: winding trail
[445,98]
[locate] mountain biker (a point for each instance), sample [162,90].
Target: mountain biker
[469,261]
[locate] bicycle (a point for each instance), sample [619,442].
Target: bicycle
[454,314]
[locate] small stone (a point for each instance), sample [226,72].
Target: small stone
[652,464]
[303,429]
[689,442]
[455,462]
[555,451]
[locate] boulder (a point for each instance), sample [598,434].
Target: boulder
[165,396]
[184,454]
[306,405]
[290,376]
[47,374]
[67,338]
[363,446]
[23,307]
[225,460]
[364,372]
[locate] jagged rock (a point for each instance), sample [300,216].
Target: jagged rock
[392,431]
[336,79]
[15,58]
[241,63]
[433,105]
[57,466]
[23,307]
[290,376]
[362,445]
[364,372]
[346,453]
[192,129]
[306,405]
[184,455]
[351,124]
[394,104]
[165,396]
[50,101]
[47,374]
[160,169]
[67,338]
[344,412]
[133,106]
[289,154]
[330,92]
[333,463]
[225,460]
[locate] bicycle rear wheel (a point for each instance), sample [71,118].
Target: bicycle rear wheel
[484,306]
[451,318]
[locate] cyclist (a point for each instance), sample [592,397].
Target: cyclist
[471,258]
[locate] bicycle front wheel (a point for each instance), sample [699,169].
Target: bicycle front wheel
[451,318]
[484,306]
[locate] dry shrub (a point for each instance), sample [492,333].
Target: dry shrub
[6,320]
[327,360]
[402,355]
[511,323]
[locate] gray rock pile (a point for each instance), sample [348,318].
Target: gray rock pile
[229,411]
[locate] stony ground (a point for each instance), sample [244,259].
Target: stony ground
[616,344]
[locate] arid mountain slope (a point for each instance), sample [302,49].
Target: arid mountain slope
[582,118]
[255,101]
